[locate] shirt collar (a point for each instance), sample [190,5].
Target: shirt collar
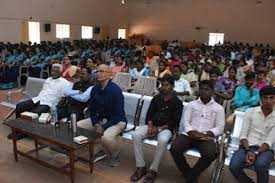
[212,101]
[259,110]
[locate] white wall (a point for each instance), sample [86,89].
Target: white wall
[240,20]
[103,13]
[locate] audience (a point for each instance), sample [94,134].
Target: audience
[225,72]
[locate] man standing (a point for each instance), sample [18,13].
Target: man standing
[203,121]
[163,118]
[257,138]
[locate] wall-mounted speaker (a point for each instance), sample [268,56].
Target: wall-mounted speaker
[97,30]
[47,27]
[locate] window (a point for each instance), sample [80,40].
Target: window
[121,33]
[34,32]
[62,31]
[87,32]
[216,38]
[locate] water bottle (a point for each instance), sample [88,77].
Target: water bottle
[73,122]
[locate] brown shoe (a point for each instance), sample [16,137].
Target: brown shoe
[150,177]
[139,173]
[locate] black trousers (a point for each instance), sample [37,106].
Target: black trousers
[29,106]
[207,150]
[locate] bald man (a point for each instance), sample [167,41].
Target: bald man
[107,114]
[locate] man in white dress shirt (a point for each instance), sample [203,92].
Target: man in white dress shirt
[181,86]
[49,96]
[257,137]
[202,121]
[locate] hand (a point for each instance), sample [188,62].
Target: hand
[99,129]
[196,135]
[62,101]
[210,134]
[250,158]
[152,131]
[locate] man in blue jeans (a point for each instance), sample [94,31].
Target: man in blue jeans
[257,138]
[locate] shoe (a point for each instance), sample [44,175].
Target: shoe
[138,174]
[99,156]
[18,136]
[150,177]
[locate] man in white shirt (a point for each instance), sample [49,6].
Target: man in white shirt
[49,96]
[257,137]
[202,121]
[181,86]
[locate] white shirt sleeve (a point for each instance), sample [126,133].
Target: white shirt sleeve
[187,118]
[246,124]
[219,123]
[83,97]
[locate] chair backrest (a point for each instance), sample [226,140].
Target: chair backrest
[146,104]
[123,80]
[131,102]
[146,86]
[33,86]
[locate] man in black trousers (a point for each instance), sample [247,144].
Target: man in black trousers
[202,121]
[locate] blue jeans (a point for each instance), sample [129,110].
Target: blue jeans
[261,166]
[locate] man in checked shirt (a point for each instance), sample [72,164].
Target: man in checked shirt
[257,137]
[202,121]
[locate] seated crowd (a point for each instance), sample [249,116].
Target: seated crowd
[203,76]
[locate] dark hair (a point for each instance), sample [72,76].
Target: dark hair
[267,90]
[215,70]
[233,68]
[177,66]
[250,75]
[170,79]
[207,83]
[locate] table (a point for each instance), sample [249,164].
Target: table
[61,136]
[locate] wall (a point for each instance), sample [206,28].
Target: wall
[240,20]
[105,13]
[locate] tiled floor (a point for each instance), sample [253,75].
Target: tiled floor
[26,171]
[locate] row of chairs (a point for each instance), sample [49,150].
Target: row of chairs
[136,107]
[143,85]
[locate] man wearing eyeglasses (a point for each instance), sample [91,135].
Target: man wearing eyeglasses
[257,138]
[107,115]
